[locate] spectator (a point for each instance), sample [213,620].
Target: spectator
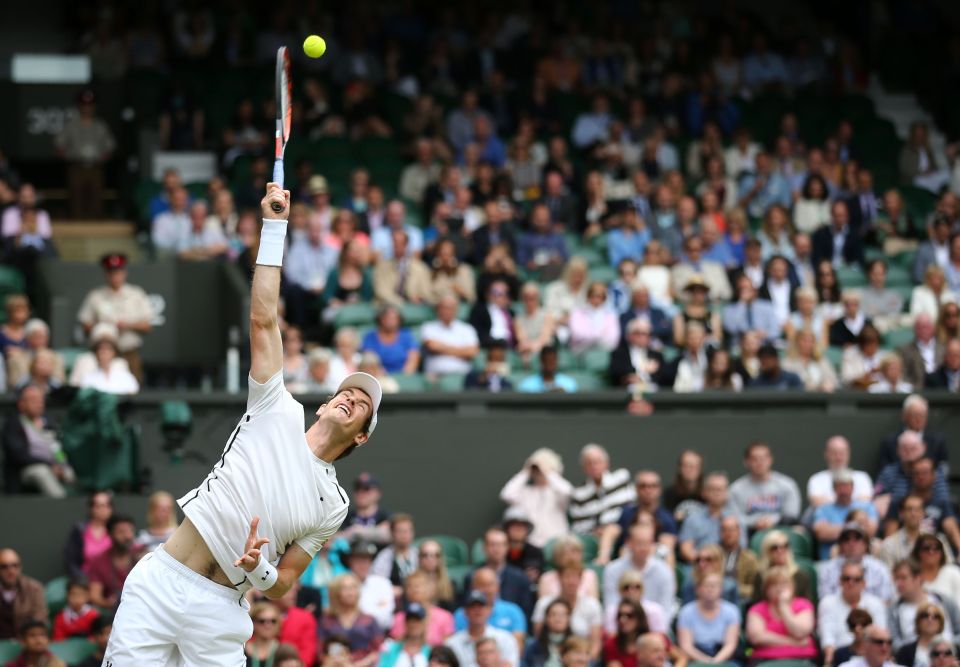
[548,379]
[35,639]
[460,127]
[628,239]
[942,652]
[641,307]
[938,575]
[100,635]
[829,518]
[558,200]
[659,582]
[633,363]
[86,144]
[318,380]
[836,242]
[880,304]
[345,620]
[33,456]
[15,218]
[544,649]
[587,615]
[416,176]
[107,375]
[709,561]
[692,265]
[201,240]
[561,296]
[123,305]
[401,277]
[917,162]
[763,188]
[448,276]
[534,327]
[411,645]
[590,128]
[298,629]
[161,521]
[895,479]
[845,330]
[914,418]
[261,648]
[898,545]
[295,366]
[542,493]
[934,252]
[367,520]
[349,281]
[77,617]
[739,562]
[395,219]
[567,551]
[477,610]
[22,598]
[764,498]
[771,375]
[804,358]
[836,453]
[652,651]
[741,157]
[702,528]
[923,354]
[497,231]
[911,595]
[775,551]
[394,344]
[649,488]
[812,209]
[947,375]
[173,223]
[948,322]
[708,628]
[780,626]
[685,495]
[420,590]
[495,374]
[107,571]
[398,560]
[346,343]
[443,656]
[450,345]
[509,582]
[542,249]
[620,646]
[833,610]
[860,365]
[21,361]
[890,381]
[652,616]
[321,211]
[853,543]
[696,310]
[594,323]
[432,563]
[929,625]
[876,649]
[687,373]
[595,507]
[938,513]
[520,552]
[13,333]
[88,539]
[492,318]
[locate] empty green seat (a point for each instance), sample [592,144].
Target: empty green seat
[851,276]
[897,337]
[596,360]
[450,382]
[604,274]
[898,276]
[55,592]
[355,315]
[72,651]
[587,381]
[9,650]
[415,314]
[414,382]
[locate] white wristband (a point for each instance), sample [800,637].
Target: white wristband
[264,575]
[272,241]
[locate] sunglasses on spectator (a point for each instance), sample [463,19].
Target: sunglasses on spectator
[706,559]
[940,654]
[931,546]
[630,587]
[880,642]
[778,547]
[626,614]
[498,292]
[9,566]
[267,621]
[851,537]
[429,554]
[648,485]
[924,615]
[849,579]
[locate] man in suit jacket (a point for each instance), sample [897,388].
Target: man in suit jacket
[563,206]
[837,242]
[491,316]
[403,277]
[923,354]
[749,313]
[863,205]
[30,448]
[934,251]
[640,308]
[515,586]
[947,376]
[914,417]
[496,230]
[633,363]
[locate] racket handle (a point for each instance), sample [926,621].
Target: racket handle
[277,178]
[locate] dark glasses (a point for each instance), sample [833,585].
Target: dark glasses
[880,642]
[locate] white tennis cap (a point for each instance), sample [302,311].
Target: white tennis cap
[368,385]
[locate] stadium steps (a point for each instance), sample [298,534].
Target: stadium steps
[902,109]
[87,241]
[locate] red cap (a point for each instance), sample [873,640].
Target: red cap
[112,261]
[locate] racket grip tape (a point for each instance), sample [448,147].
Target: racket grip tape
[277,178]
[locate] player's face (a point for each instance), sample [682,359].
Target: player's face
[350,409]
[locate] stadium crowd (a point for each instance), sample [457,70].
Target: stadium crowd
[536,206]
[624,569]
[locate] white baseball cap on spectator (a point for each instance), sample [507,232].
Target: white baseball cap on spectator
[104,331]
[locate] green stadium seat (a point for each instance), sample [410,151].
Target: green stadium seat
[409,383]
[72,651]
[355,315]
[898,276]
[450,382]
[834,355]
[808,566]
[70,355]
[604,274]
[919,202]
[851,276]
[415,314]
[596,360]
[9,650]
[55,592]
[897,337]
[455,550]
[906,293]
[566,360]
[477,556]
[786,663]
[587,381]
[458,574]
[11,281]
[800,542]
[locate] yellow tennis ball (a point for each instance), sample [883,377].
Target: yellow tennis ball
[314,46]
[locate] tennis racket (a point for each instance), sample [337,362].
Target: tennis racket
[284,111]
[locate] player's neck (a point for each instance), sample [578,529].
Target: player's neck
[325,442]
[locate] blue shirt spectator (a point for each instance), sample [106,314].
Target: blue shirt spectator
[750,313]
[505,616]
[763,189]
[393,355]
[591,127]
[709,635]
[395,218]
[629,240]
[541,246]
[835,515]
[534,384]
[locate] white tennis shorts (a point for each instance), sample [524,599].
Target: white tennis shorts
[173,617]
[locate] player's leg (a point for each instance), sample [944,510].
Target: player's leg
[218,630]
[145,629]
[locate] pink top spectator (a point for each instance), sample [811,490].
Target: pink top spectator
[777,626]
[93,546]
[439,626]
[549,584]
[12,221]
[593,327]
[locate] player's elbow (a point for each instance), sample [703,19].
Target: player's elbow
[263,321]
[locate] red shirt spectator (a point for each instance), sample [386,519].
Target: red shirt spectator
[76,619]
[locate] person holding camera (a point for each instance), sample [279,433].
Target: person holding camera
[542,492]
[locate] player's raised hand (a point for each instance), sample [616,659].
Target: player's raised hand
[275,195]
[248,561]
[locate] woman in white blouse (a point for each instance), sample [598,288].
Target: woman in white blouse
[107,375]
[346,356]
[540,491]
[805,360]
[655,276]
[860,367]
[933,293]
[812,209]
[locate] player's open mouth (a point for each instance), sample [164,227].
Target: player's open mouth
[345,409]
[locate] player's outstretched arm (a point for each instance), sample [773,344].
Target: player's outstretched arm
[266,348]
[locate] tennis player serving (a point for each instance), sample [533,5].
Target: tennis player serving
[263,512]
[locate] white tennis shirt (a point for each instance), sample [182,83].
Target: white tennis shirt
[267,470]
